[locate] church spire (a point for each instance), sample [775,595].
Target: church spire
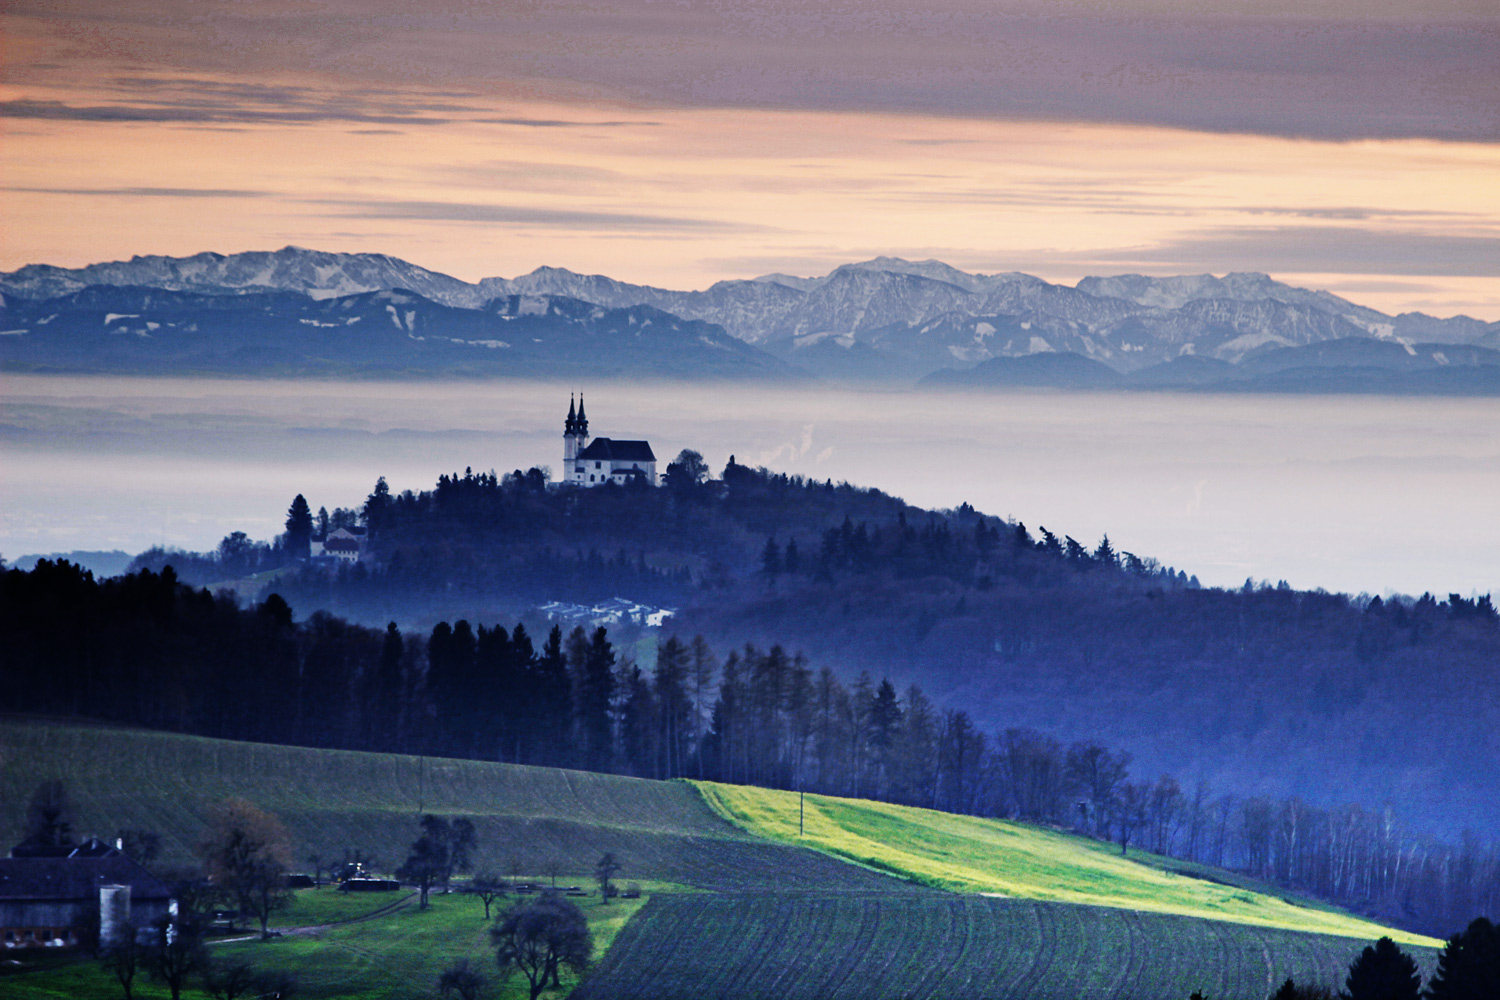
[572,421]
[583,421]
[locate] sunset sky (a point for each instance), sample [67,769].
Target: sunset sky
[679,143]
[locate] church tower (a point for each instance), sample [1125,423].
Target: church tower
[575,436]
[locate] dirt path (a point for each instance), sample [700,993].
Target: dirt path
[383,911]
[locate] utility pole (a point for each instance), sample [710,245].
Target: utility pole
[801,790]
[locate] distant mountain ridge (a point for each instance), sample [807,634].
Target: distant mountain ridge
[315,273]
[1355,364]
[385,333]
[882,320]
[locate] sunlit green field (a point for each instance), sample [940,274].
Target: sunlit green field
[391,957]
[974,855]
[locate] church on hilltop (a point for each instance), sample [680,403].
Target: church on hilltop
[603,460]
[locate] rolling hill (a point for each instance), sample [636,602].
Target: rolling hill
[738,906]
[336,800]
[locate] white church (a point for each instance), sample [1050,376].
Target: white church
[603,460]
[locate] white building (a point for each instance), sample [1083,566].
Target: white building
[603,460]
[341,543]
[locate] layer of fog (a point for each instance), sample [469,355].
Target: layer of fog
[1348,493]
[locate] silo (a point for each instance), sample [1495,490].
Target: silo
[114,915]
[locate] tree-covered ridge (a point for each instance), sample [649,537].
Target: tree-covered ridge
[478,535]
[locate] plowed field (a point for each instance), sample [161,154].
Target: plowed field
[749,947]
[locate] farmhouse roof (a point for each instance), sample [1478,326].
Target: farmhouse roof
[604,449]
[76,878]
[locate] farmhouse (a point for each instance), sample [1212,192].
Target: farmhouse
[603,460]
[345,544]
[45,900]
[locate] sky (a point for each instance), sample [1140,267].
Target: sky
[679,143]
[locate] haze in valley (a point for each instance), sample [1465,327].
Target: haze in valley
[1354,494]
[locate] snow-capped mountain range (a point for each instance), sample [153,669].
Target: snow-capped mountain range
[884,319]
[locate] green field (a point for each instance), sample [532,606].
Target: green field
[766,947]
[393,957]
[335,800]
[739,905]
[326,905]
[969,854]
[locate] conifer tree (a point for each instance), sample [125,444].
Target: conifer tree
[1383,972]
[1468,967]
[770,559]
[299,528]
[552,692]
[596,692]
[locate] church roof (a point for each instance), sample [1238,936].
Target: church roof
[606,450]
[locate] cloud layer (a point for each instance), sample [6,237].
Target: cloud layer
[1427,70]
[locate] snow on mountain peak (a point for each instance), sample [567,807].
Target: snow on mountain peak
[1128,319]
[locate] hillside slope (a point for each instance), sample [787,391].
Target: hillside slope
[337,800]
[994,857]
[777,920]
[748,947]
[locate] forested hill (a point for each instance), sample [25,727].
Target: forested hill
[1255,690]
[694,541]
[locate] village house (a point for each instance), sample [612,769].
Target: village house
[615,611]
[344,544]
[45,901]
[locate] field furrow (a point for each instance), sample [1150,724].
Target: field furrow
[950,947]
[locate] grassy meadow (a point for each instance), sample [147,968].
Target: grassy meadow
[973,855]
[395,956]
[326,905]
[949,947]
